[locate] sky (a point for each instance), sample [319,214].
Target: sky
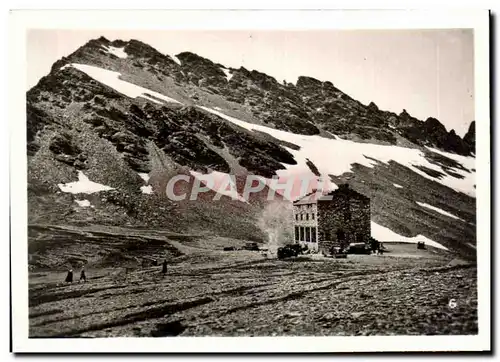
[430,73]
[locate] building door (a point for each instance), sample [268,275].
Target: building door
[340,235]
[341,238]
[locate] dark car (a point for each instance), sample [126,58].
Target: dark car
[359,248]
[289,251]
[251,246]
[337,252]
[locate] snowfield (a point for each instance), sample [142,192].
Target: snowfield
[386,235]
[398,186]
[342,154]
[468,162]
[437,209]
[112,79]
[83,186]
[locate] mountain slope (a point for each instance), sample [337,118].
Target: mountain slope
[128,118]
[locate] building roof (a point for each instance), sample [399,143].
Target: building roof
[309,198]
[343,190]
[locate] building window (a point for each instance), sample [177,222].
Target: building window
[297,233]
[297,217]
[312,215]
[313,234]
[301,216]
[327,235]
[301,233]
[308,234]
[307,216]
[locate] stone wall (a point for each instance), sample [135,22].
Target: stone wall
[361,220]
[344,219]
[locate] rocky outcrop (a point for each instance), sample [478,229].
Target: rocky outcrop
[202,72]
[470,138]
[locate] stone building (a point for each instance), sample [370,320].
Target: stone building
[337,218]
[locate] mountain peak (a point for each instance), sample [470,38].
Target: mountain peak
[372,106]
[434,125]
[470,137]
[306,82]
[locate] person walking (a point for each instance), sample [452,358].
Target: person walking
[164,267]
[69,276]
[82,275]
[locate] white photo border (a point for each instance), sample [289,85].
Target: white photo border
[21,21]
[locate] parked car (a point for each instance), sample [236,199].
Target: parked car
[336,252]
[251,246]
[359,248]
[290,250]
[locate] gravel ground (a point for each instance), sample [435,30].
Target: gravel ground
[241,293]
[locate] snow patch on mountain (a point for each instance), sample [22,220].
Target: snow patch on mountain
[226,72]
[386,235]
[83,203]
[398,186]
[144,176]
[147,189]
[437,209]
[119,52]
[111,79]
[342,154]
[83,186]
[175,59]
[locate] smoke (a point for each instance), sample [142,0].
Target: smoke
[276,222]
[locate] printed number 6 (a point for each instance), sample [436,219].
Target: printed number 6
[452,304]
